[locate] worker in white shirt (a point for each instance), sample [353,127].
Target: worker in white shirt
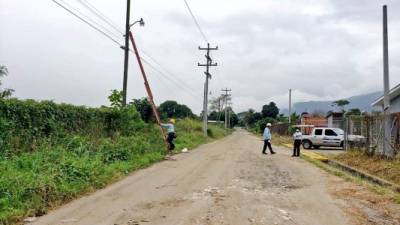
[297,136]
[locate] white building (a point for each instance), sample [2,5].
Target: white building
[394,96]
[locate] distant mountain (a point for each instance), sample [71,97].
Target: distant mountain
[363,102]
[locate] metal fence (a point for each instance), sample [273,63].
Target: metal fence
[371,130]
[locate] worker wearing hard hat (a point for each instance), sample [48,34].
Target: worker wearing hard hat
[297,136]
[267,139]
[171,133]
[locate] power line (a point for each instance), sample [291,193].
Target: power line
[90,19]
[172,76]
[100,15]
[195,21]
[169,78]
[87,22]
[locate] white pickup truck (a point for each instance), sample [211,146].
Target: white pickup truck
[329,137]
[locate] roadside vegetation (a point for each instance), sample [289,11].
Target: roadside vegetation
[385,192]
[52,153]
[376,165]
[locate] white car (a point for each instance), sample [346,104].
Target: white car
[329,137]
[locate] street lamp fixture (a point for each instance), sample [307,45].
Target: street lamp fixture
[141,23]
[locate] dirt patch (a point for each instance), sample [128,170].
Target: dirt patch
[364,206]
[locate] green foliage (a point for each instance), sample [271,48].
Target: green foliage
[261,124]
[341,102]
[270,110]
[171,109]
[220,116]
[5,93]
[353,112]
[26,124]
[144,108]
[249,118]
[72,158]
[116,98]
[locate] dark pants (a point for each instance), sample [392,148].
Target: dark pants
[170,140]
[296,147]
[267,143]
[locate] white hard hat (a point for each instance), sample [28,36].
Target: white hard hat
[269,124]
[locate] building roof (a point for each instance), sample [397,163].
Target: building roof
[393,93]
[334,114]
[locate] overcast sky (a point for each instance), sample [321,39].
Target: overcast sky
[322,49]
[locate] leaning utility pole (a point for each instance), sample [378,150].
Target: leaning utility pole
[126,49]
[226,95]
[208,76]
[387,150]
[290,106]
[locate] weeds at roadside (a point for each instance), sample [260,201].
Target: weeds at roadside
[58,171]
[395,197]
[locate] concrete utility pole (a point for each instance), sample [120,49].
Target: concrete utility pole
[126,49]
[290,105]
[208,76]
[387,150]
[226,96]
[229,114]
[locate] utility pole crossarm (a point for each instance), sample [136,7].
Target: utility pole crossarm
[210,64]
[207,49]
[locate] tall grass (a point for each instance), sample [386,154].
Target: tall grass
[62,169]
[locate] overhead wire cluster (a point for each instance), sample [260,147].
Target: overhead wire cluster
[116,37]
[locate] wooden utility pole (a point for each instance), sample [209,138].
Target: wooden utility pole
[290,106]
[208,76]
[226,96]
[387,150]
[126,50]
[149,92]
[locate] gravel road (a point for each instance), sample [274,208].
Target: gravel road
[225,182]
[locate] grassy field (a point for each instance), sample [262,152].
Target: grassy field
[31,183]
[375,165]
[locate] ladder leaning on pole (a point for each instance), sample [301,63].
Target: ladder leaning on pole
[149,92]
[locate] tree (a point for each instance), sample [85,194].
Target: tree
[217,104]
[115,98]
[270,110]
[294,118]
[173,109]
[6,92]
[234,120]
[249,117]
[353,112]
[341,103]
[144,108]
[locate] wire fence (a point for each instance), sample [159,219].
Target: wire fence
[371,130]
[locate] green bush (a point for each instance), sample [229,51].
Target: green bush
[49,158]
[24,125]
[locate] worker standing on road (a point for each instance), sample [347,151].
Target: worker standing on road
[297,136]
[171,133]
[267,139]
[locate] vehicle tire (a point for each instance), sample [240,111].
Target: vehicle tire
[342,144]
[307,144]
[316,146]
